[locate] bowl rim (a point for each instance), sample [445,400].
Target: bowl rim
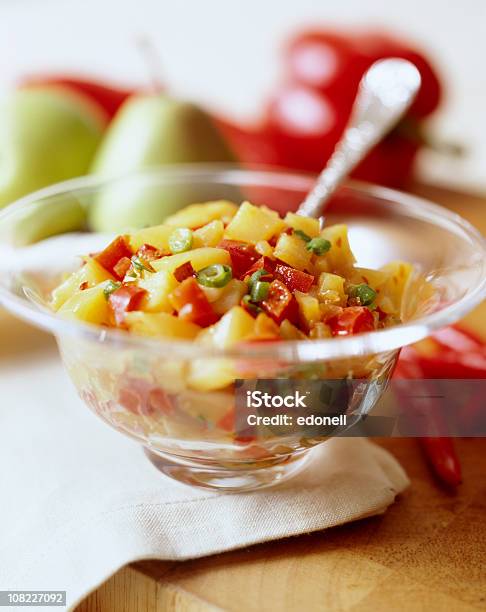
[368,343]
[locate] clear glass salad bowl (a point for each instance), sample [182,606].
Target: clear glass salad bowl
[140,385]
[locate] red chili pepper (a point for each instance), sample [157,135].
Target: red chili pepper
[264,263]
[122,267]
[441,454]
[184,271]
[149,252]
[352,320]
[110,98]
[243,256]
[280,304]
[439,450]
[294,279]
[126,298]
[192,304]
[116,250]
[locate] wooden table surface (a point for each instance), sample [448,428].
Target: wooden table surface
[427,552]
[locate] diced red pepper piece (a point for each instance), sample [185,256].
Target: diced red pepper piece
[116,250]
[126,298]
[264,263]
[184,271]
[192,304]
[352,320]
[149,252]
[122,267]
[280,304]
[294,279]
[243,256]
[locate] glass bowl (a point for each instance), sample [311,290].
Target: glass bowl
[156,390]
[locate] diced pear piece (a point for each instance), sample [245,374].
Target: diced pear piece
[390,296]
[308,225]
[199,258]
[292,250]
[253,223]
[160,324]
[308,308]
[209,235]
[339,257]
[158,286]
[330,288]
[211,374]
[197,215]
[372,278]
[157,236]
[91,272]
[235,326]
[89,305]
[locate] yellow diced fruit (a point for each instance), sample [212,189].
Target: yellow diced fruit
[157,236]
[236,325]
[91,272]
[292,250]
[230,296]
[262,247]
[253,223]
[340,257]
[372,278]
[199,258]
[197,215]
[391,293]
[158,286]
[160,324]
[331,288]
[309,309]
[307,225]
[210,235]
[265,327]
[211,374]
[89,305]
[288,331]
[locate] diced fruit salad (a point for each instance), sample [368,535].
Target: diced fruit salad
[222,274]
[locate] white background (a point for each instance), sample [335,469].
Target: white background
[224,53]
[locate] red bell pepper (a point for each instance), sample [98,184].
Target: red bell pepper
[122,266]
[116,250]
[184,271]
[352,320]
[264,263]
[192,304]
[126,298]
[280,304]
[149,252]
[294,279]
[243,256]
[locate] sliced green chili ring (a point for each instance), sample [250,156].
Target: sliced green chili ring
[256,276]
[259,291]
[110,287]
[180,240]
[217,275]
[318,246]
[140,265]
[364,293]
[302,235]
[246,300]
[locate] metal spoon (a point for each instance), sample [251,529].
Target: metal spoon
[386,91]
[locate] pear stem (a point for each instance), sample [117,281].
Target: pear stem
[152,61]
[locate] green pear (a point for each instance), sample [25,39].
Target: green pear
[150,131]
[47,135]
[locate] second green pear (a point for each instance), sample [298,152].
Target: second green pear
[147,132]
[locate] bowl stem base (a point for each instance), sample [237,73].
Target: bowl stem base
[218,478]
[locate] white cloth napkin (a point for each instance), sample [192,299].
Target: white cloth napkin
[79,500]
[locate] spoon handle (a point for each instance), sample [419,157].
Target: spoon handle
[385,93]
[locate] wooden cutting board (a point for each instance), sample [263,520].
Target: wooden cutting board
[427,552]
